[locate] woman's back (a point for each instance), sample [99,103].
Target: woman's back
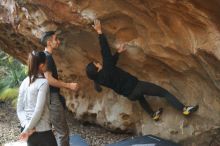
[34,100]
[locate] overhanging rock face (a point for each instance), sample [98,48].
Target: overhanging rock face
[172,43]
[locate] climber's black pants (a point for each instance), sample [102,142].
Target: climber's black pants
[145,88]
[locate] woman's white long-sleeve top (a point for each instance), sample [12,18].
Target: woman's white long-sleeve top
[33,105]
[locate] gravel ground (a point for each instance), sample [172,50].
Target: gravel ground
[93,134]
[8,123]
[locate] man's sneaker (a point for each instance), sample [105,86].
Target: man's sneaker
[157,114]
[187,110]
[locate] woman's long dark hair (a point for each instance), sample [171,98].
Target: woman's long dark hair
[34,60]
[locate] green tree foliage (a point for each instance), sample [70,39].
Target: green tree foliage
[12,72]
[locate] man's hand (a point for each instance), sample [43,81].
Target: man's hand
[121,48]
[73,86]
[97,26]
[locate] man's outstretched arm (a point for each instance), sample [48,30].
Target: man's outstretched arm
[108,58]
[115,58]
[60,84]
[116,55]
[105,49]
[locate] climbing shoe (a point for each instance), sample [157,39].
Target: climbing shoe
[157,114]
[187,110]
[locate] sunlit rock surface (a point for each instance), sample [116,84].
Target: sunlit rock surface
[172,43]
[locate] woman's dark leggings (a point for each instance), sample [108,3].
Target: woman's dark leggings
[145,88]
[45,138]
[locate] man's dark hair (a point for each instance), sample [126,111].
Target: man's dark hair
[46,36]
[91,71]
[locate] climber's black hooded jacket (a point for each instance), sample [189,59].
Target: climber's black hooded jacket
[110,75]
